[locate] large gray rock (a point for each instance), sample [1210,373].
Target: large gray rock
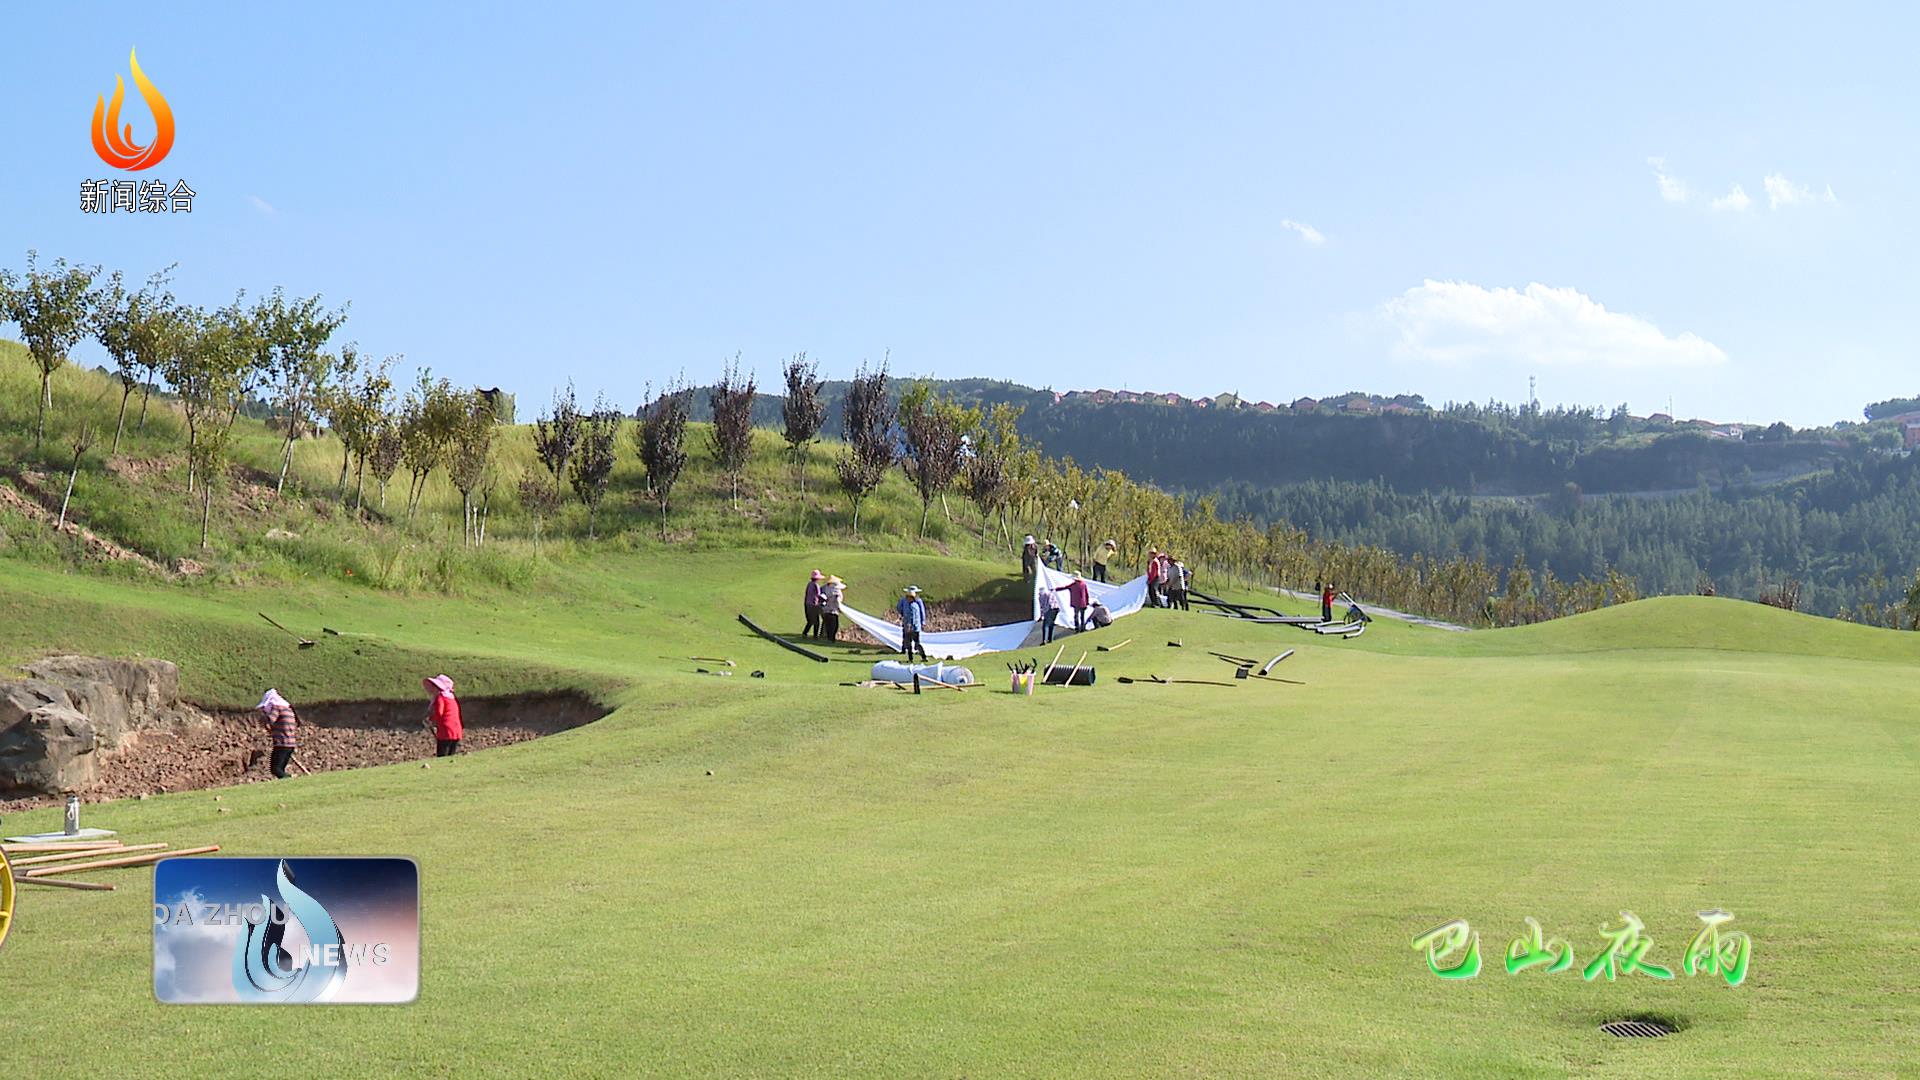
[19,698]
[49,750]
[119,696]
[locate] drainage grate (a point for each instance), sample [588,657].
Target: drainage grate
[1636,1029]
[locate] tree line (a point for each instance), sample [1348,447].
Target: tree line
[974,461]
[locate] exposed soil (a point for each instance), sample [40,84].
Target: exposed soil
[233,747]
[946,615]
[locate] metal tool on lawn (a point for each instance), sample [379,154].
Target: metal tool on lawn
[305,643]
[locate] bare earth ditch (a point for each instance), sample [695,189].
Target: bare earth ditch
[232,748]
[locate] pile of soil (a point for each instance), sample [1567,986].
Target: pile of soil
[233,748]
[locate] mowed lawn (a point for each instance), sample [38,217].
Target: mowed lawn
[787,876]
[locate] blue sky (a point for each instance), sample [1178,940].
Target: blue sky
[1273,199]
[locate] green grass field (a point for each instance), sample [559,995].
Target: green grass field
[787,876]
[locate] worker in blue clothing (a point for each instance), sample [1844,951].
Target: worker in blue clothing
[913,619]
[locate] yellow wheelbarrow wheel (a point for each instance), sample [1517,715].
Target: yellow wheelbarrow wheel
[6,897]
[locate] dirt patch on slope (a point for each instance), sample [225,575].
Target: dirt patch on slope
[233,747]
[96,546]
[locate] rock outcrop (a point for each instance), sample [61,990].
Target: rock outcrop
[53,724]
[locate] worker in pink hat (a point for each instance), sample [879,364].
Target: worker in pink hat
[811,601]
[444,715]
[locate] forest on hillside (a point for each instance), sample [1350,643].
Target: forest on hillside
[1849,540]
[1830,516]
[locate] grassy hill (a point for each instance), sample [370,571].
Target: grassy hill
[791,876]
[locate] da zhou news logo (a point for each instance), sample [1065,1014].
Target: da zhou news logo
[286,931]
[114,142]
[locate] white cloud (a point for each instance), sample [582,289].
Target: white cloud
[261,205]
[1735,200]
[1455,322]
[1784,192]
[1307,232]
[1672,188]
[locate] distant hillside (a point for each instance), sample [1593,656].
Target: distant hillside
[1398,441]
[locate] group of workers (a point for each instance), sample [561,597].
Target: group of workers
[1088,612]
[282,724]
[1168,580]
[822,603]
[1048,554]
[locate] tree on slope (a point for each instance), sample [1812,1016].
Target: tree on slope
[935,431]
[803,412]
[731,437]
[54,309]
[869,452]
[470,457]
[988,476]
[429,419]
[556,434]
[129,326]
[593,465]
[300,368]
[661,442]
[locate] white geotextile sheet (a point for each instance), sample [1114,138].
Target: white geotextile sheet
[1122,599]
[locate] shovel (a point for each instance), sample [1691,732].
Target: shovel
[305,643]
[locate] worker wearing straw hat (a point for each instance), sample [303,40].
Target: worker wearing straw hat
[830,596]
[913,619]
[1105,552]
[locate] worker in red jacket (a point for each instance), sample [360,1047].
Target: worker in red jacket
[444,715]
[1078,596]
[1153,578]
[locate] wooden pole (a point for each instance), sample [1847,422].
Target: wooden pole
[72,855]
[1055,660]
[69,845]
[1116,648]
[130,860]
[1076,669]
[90,886]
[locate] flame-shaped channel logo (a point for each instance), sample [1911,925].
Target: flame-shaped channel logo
[114,142]
[263,970]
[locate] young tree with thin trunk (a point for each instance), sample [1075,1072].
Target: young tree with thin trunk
[988,477]
[870,451]
[935,431]
[469,460]
[731,437]
[336,406]
[301,371]
[429,420]
[539,500]
[130,326]
[661,442]
[803,412]
[384,452]
[593,464]
[206,359]
[80,442]
[556,434]
[54,309]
